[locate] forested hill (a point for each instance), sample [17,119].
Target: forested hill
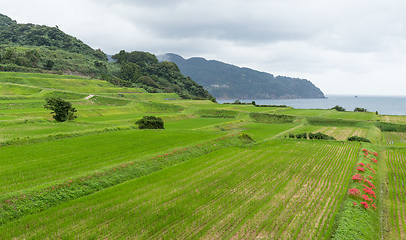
[226,81]
[38,48]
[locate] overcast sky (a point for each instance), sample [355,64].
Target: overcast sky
[355,47]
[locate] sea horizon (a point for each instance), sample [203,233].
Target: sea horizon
[384,105]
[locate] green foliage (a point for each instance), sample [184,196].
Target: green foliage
[37,35]
[272,118]
[143,70]
[358,109]
[301,135]
[150,122]
[62,110]
[356,138]
[338,108]
[35,48]
[5,21]
[320,135]
[245,137]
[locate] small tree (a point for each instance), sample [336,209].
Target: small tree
[62,110]
[338,108]
[150,122]
[358,109]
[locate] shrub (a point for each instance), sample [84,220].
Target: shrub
[62,110]
[320,135]
[150,122]
[301,135]
[338,108]
[358,109]
[291,135]
[245,137]
[358,139]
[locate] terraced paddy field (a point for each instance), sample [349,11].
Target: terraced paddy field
[282,189]
[394,119]
[217,171]
[396,164]
[362,116]
[72,157]
[395,138]
[303,112]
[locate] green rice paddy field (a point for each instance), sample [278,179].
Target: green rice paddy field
[212,173]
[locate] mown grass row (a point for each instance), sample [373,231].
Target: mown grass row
[232,193]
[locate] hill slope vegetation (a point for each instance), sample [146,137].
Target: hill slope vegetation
[38,48]
[228,81]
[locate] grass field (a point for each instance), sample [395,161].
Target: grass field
[394,119]
[56,160]
[268,190]
[217,171]
[363,116]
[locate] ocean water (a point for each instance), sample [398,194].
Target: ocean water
[388,105]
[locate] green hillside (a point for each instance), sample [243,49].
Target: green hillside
[43,49]
[227,81]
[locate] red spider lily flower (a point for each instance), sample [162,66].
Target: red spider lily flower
[357,177]
[370,184]
[354,192]
[375,154]
[355,204]
[365,204]
[369,191]
[361,164]
[366,198]
[361,169]
[370,177]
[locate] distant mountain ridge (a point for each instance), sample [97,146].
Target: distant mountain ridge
[226,81]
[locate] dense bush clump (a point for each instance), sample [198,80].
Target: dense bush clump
[338,108]
[150,122]
[358,109]
[301,135]
[320,135]
[356,138]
